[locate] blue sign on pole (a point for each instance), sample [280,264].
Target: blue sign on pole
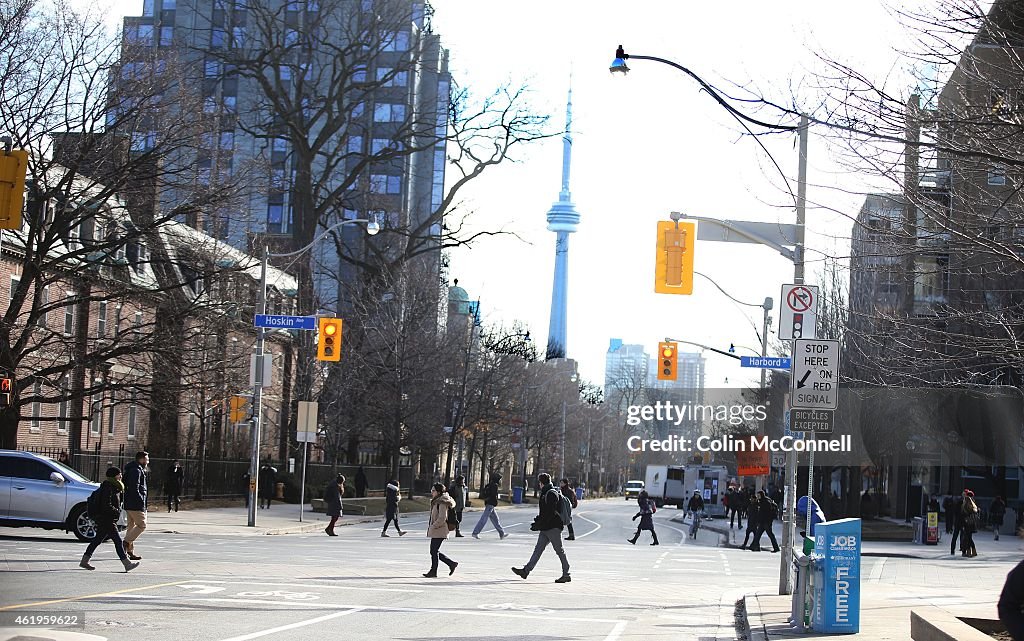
[767,362]
[837,577]
[786,427]
[285,322]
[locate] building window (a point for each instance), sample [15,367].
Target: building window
[396,79]
[166,36]
[37,390]
[395,41]
[44,300]
[168,5]
[96,417]
[147,7]
[101,319]
[63,407]
[138,322]
[355,144]
[132,413]
[997,175]
[387,112]
[227,140]
[217,38]
[15,281]
[113,414]
[212,69]
[238,34]
[69,315]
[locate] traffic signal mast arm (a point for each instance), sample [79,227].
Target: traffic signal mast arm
[717,351]
[752,236]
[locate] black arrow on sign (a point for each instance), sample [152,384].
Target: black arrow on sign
[802,382]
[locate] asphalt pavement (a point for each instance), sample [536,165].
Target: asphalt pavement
[361,586]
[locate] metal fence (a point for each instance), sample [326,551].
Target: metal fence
[220,478]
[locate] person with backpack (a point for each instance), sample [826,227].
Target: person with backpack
[555,512]
[394,495]
[996,514]
[104,506]
[767,511]
[750,502]
[439,526]
[135,493]
[490,497]
[570,494]
[457,490]
[646,516]
[333,494]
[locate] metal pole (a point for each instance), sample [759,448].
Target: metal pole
[789,525]
[561,448]
[257,394]
[768,303]
[302,490]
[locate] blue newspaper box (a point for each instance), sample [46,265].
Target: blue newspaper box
[517,495]
[579,494]
[837,577]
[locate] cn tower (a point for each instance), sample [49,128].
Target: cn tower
[562,219]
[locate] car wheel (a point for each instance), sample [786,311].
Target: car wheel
[82,524]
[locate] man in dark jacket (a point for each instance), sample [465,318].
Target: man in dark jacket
[457,490]
[767,510]
[570,494]
[490,497]
[1011,603]
[738,505]
[696,504]
[750,503]
[393,496]
[110,501]
[173,484]
[958,522]
[360,482]
[135,491]
[996,515]
[268,484]
[548,526]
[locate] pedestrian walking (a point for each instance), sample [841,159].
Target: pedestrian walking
[696,503]
[948,507]
[971,520]
[135,493]
[268,484]
[111,499]
[751,508]
[438,528]
[646,516]
[393,496]
[548,526]
[173,484]
[457,490]
[570,494]
[333,494]
[767,510]
[738,504]
[360,482]
[958,521]
[996,514]
[1011,603]
[490,497]
[245,488]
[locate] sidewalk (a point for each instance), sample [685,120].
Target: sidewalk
[897,578]
[282,518]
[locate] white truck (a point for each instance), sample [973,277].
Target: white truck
[655,483]
[680,481]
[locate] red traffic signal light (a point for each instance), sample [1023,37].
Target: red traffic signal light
[668,354]
[329,346]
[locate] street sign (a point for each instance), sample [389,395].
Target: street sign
[766,362]
[285,322]
[799,315]
[305,423]
[815,377]
[268,370]
[778,459]
[813,421]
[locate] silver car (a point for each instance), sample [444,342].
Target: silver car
[36,491]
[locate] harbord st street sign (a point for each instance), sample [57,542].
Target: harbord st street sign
[815,378]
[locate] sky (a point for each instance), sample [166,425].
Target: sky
[645,145]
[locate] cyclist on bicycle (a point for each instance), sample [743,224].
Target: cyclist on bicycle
[695,507]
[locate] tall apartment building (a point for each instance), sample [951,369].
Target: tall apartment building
[625,374]
[324,110]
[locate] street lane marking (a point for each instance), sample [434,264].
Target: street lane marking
[876,570]
[89,596]
[616,631]
[314,585]
[292,626]
[588,521]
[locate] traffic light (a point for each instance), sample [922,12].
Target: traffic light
[329,347]
[673,265]
[239,406]
[13,167]
[668,355]
[6,391]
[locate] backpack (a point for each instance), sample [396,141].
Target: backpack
[564,507]
[93,504]
[773,508]
[452,519]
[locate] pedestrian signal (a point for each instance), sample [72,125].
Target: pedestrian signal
[6,390]
[673,265]
[329,336]
[668,355]
[13,167]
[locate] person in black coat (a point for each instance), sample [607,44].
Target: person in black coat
[1011,603]
[360,482]
[136,491]
[548,526]
[332,502]
[173,484]
[394,495]
[958,522]
[458,491]
[646,516]
[268,484]
[750,502]
[767,510]
[111,499]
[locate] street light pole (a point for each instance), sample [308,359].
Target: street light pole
[372,227]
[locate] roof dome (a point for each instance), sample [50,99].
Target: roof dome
[458,300]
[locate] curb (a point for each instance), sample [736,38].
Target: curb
[706,525]
[753,624]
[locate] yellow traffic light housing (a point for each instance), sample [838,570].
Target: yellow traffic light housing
[668,356]
[329,346]
[239,406]
[13,167]
[673,265]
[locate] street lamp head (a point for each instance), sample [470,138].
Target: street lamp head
[619,64]
[372,227]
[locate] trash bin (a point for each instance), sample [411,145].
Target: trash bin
[919,531]
[579,494]
[517,495]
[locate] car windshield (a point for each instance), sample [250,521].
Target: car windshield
[68,472]
[634,484]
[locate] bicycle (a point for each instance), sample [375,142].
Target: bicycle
[695,526]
